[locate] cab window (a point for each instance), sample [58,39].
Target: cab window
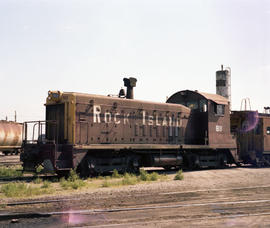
[203,105]
[219,109]
[192,104]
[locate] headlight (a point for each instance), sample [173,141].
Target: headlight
[54,96]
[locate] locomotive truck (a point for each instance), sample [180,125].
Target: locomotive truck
[97,134]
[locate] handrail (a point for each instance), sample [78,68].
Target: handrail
[39,124]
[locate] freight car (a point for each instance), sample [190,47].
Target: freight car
[10,136]
[96,134]
[252,130]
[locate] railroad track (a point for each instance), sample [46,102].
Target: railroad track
[186,207]
[178,221]
[8,216]
[10,160]
[48,201]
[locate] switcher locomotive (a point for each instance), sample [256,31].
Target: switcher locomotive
[96,134]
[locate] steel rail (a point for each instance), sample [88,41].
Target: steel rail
[18,203]
[179,220]
[5,216]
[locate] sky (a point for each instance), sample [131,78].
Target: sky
[168,45]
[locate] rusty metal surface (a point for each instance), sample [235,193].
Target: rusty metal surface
[205,126]
[208,96]
[106,120]
[215,98]
[10,135]
[252,131]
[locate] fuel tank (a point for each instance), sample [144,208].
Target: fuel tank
[10,135]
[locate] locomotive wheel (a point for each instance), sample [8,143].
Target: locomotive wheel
[86,168]
[222,164]
[61,173]
[167,168]
[238,164]
[133,166]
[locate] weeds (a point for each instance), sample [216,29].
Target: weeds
[38,180]
[73,176]
[144,176]
[179,175]
[129,179]
[153,176]
[41,187]
[22,189]
[2,206]
[105,184]
[73,181]
[9,172]
[46,184]
[39,169]
[116,174]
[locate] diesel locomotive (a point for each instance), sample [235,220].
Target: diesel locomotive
[96,134]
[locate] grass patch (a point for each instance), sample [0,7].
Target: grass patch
[40,186]
[10,172]
[23,189]
[46,184]
[115,174]
[100,178]
[39,169]
[106,184]
[129,179]
[73,181]
[144,176]
[179,175]
[38,181]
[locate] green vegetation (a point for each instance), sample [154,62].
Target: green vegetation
[39,169]
[2,206]
[39,186]
[38,180]
[116,174]
[130,179]
[106,184]
[73,181]
[179,175]
[144,176]
[46,184]
[22,189]
[10,172]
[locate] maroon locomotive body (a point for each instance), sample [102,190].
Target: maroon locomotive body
[96,134]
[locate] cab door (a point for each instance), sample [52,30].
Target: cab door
[55,123]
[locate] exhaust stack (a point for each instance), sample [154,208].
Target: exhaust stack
[130,83]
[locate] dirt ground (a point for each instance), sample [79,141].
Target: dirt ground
[232,197]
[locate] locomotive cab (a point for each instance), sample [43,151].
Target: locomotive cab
[208,126]
[209,123]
